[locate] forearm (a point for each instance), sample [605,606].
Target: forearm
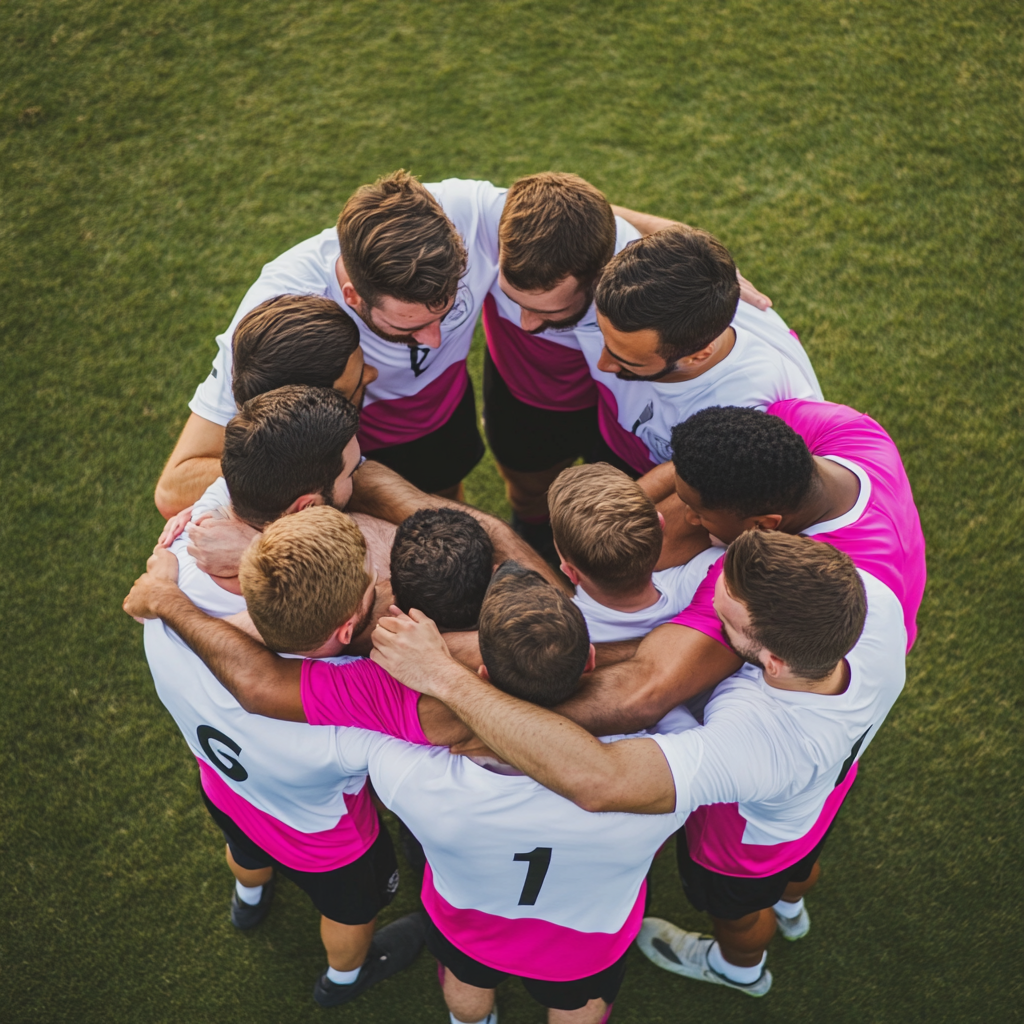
[659,483]
[645,223]
[182,484]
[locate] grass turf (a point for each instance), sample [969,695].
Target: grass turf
[861,159]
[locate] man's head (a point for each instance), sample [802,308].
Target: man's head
[791,605]
[404,259]
[305,582]
[441,563]
[288,449]
[605,528]
[533,639]
[739,469]
[662,301]
[556,234]
[298,339]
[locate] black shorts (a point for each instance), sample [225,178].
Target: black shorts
[526,438]
[556,995]
[731,898]
[443,457]
[600,451]
[352,894]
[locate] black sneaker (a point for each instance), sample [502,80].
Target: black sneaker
[393,948]
[539,536]
[244,916]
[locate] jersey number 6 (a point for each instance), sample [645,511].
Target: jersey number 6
[539,861]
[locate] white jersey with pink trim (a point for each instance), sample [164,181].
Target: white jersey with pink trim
[675,586]
[425,383]
[518,877]
[767,772]
[767,363]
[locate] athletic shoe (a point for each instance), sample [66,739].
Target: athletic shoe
[686,953]
[794,928]
[244,916]
[393,948]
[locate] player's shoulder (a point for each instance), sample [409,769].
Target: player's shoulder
[885,631]
[310,256]
[624,233]
[465,198]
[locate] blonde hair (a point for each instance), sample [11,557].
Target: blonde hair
[605,526]
[304,577]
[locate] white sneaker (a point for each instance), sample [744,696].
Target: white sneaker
[794,928]
[686,953]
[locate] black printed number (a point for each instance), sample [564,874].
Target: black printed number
[539,861]
[848,763]
[228,765]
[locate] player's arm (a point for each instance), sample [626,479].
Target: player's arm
[673,663]
[381,492]
[193,466]
[631,775]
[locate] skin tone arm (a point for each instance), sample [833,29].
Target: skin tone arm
[381,492]
[193,466]
[261,682]
[683,538]
[631,775]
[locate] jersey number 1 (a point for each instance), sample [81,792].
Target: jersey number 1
[539,861]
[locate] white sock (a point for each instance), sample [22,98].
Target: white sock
[790,910]
[248,893]
[491,1018]
[741,975]
[342,977]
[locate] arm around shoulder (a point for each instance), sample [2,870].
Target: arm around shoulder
[193,466]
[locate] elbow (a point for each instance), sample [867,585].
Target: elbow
[166,500]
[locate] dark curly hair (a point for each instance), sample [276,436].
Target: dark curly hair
[441,563]
[742,460]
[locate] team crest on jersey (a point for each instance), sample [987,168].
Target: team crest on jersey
[661,448]
[393,882]
[461,309]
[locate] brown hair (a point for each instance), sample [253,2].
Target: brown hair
[396,240]
[806,600]
[679,282]
[605,526]
[554,225]
[533,639]
[303,577]
[293,339]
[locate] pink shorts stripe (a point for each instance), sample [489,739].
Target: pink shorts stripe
[530,947]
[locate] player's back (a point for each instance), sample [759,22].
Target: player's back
[518,877]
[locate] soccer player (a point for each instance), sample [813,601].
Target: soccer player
[409,264]
[556,234]
[676,339]
[281,792]
[608,535]
[813,468]
[512,867]
[759,783]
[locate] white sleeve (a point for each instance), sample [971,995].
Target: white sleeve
[391,761]
[355,748]
[475,208]
[680,583]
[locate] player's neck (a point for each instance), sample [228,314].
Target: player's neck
[834,491]
[836,682]
[635,602]
[694,366]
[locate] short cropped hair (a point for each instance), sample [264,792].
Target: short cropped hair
[397,241]
[293,339]
[283,444]
[303,577]
[806,599]
[679,282]
[441,563]
[554,225]
[742,461]
[605,526]
[533,639]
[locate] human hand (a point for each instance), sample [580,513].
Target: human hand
[410,648]
[174,526]
[748,293]
[144,599]
[217,545]
[162,564]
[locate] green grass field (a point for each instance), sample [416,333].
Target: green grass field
[861,158]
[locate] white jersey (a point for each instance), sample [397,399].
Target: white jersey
[676,587]
[518,877]
[766,364]
[767,772]
[404,371]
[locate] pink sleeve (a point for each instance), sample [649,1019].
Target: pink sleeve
[360,694]
[700,614]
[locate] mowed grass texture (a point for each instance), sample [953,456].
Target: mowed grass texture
[863,162]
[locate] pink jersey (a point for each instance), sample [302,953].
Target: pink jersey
[881,533]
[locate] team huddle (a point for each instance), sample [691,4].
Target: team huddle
[694,624]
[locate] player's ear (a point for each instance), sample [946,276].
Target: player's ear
[571,572]
[350,295]
[347,628]
[483,673]
[591,660]
[303,501]
[766,523]
[661,520]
